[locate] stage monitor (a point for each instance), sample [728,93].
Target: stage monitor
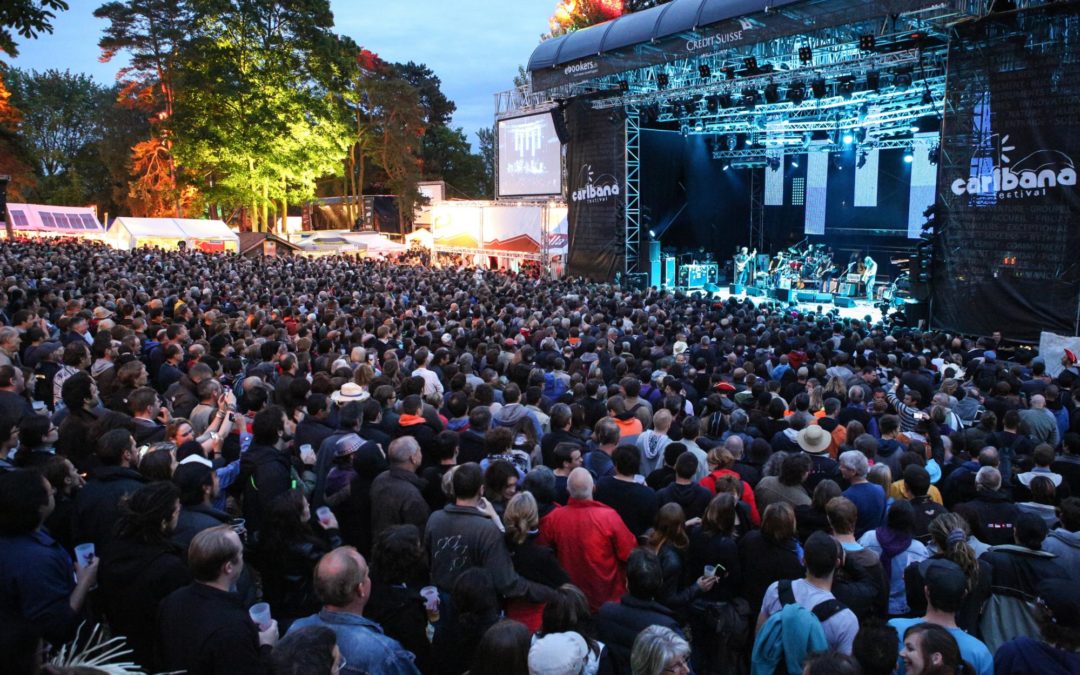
[530,154]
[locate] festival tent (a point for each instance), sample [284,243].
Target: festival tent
[211,236]
[37,220]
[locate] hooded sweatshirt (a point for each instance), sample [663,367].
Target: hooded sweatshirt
[1066,546]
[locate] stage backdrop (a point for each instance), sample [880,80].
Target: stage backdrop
[1009,257]
[596,194]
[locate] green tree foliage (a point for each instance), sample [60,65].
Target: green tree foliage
[28,18]
[60,115]
[486,137]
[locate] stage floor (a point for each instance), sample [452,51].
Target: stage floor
[861,310]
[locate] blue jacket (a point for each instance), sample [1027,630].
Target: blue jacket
[362,643]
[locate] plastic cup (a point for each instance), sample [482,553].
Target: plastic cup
[84,554]
[260,614]
[710,570]
[431,602]
[323,513]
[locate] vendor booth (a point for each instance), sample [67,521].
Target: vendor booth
[43,220]
[211,236]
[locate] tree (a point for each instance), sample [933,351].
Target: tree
[13,155]
[28,18]
[437,108]
[463,171]
[61,115]
[486,137]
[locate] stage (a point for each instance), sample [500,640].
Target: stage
[862,309]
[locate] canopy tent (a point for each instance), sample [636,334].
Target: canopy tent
[374,242]
[204,235]
[64,221]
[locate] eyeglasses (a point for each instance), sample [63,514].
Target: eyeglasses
[680,666]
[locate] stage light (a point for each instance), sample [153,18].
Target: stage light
[704,70]
[796,92]
[806,55]
[867,43]
[848,139]
[772,92]
[817,85]
[846,86]
[725,101]
[699,126]
[908,156]
[903,78]
[652,233]
[914,128]
[749,97]
[862,159]
[726,166]
[750,64]
[927,97]
[732,141]
[860,135]
[712,103]
[624,85]
[932,154]
[873,80]
[794,164]
[729,72]
[662,80]
[684,130]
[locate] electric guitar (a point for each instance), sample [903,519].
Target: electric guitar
[740,266]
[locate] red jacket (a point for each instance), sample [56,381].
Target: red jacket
[747,492]
[592,543]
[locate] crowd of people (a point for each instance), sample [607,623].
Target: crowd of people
[283,465]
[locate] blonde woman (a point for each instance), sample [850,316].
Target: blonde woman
[531,561]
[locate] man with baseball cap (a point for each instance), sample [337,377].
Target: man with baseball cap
[945,585]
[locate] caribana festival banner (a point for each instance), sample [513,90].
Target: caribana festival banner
[595,160]
[1008,257]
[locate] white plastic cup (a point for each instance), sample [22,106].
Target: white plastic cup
[710,570]
[431,602]
[84,554]
[260,614]
[323,513]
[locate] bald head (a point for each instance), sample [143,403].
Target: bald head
[341,578]
[734,445]
[1038,401]
[580,484]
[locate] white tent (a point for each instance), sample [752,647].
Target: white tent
[63,221]
[204,235]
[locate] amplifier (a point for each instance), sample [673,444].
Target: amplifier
[854,278]
[696,275]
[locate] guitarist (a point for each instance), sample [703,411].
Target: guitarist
[869,272]
[742,265]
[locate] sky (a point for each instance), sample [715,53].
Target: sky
[473,46]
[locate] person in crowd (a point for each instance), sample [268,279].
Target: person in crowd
[949,541]
[619,623]
[97,506]
[860,584]
[396,497]
[204,626]
[897,548]
[504,650]
[532,561]
[44,594]
[769,554]
[288,551]
[945,585]
[1055,650]
[869,498]
[590,540]
[141,565]
[788,486]
[992,511]
[693,498]
[929,648]
[659,650]
[343,585]
[876,648]
[1064,541]
[558,654]
[668,539]
[66,481]
[651,442]
[568,613]
[265,470]
[308,651]
[477,607]
[398,572]
[636,504]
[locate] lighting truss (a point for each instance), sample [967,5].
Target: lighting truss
[761,154]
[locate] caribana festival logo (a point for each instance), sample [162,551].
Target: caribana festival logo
[1031,176]
[593,189]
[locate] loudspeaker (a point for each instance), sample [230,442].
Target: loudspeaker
[806,296]
[841,301]
[824,298]
[712,288]
[782,294]
[653,263]
[558,118]
[755,291]
[737,289]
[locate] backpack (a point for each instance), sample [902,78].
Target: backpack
[725,628]
[554,387]
[793,626]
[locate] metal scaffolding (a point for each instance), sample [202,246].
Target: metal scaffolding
[632,205]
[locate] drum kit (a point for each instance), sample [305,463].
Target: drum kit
[796,268]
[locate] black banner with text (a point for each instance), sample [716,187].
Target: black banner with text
[1008,258]
[595,161]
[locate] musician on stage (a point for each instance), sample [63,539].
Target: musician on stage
[742,265]
[868,274]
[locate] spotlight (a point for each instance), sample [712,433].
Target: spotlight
[873,80]
[862,159]
[726,166]
[704,70]
[932,154]
[699,126]
[725,101]
[867,43]
[662,80]
[848,139]
[914,128]
[749,97]
[732,141]
[684,130]
[750,64]
[794,164]
[796,92]
[860,135]
[712,103]
[903,78]
[908,156]
[846,86]
[624,85]
[774,163]
[817,85]
[772,92]
[652,233]
[729,72]
[806,55]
